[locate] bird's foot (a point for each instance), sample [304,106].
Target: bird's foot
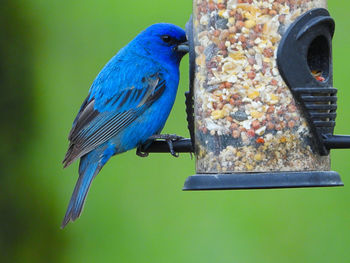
[169,138]
[140,153]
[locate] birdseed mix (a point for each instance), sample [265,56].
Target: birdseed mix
[246,117]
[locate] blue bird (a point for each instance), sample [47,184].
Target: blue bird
[128,103]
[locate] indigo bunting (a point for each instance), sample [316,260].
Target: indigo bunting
[128,102]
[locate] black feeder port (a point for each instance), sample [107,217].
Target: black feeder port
[303,57]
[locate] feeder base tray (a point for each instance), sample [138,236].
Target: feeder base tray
[262,180]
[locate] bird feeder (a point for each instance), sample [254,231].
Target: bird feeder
[264,103]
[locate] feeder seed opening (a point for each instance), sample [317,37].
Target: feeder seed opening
[318,58]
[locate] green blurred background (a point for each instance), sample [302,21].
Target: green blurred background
[50,52]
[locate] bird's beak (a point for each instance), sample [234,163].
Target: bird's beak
[183,48]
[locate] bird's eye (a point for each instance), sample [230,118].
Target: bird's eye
[166,38]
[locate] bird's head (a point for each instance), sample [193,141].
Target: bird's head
[166,42]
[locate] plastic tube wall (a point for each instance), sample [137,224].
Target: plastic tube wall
[246,117]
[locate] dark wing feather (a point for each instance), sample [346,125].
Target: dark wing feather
[86,114]
[92,128]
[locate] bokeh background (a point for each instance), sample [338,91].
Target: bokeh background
[50,52]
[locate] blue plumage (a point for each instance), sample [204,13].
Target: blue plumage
[128,102]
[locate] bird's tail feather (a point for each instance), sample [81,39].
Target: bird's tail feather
[87,171]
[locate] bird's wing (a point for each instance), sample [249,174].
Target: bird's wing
[94,125]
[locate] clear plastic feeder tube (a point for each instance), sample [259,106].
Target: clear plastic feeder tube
[246,117]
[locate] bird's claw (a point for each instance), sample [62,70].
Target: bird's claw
[140,153]
[169,138]
[166,137]
[171,148]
